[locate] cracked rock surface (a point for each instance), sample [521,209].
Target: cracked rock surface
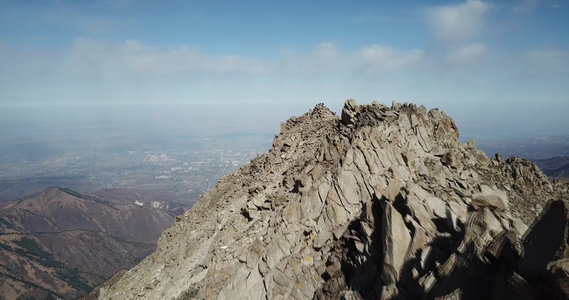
[378,203]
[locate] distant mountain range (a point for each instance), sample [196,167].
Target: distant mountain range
[60,244]
[531,148]
[550,153]
[555,167]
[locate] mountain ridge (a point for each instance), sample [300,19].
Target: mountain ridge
[380,202]
[59,243]
[556,167]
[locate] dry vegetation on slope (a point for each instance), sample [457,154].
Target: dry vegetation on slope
[59,243]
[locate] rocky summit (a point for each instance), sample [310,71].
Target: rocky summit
[378,203]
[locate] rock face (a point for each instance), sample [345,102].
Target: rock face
[380,203]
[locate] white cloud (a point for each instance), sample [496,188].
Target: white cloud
[134,58]
[327,51]
[526,7]
[457,28]
[550,60]
[458,22]
[554,5]
[384,58]
[66,16]
[466,54]
[324,58]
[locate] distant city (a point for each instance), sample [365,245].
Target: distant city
[175,174]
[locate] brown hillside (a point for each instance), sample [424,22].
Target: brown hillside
[62,243]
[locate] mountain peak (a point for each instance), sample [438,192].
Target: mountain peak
[380,202]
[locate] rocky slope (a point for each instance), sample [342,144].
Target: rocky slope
[382,202]
[59,243]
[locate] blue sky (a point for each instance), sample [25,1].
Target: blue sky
[499,68]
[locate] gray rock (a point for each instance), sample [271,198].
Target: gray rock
[450,159]
[404,123]
[321,238]
[452,220]
[435,206]
[491,197]
[349,112]
[471,145]
[396,240]
[414,121]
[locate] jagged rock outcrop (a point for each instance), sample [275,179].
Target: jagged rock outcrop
[380,203]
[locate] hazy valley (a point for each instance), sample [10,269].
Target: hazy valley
[166,164]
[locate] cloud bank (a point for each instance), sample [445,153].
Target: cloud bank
[459,63]
[460,22]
